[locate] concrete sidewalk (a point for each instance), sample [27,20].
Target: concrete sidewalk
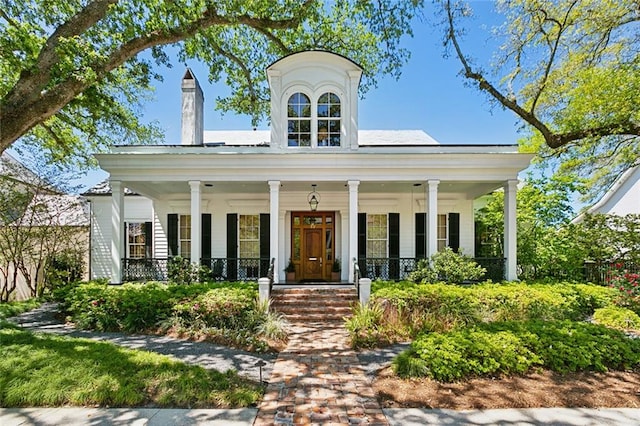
[246,416]
[125,416]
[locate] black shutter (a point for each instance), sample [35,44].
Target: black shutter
[206,237]
[265,243]
[125,241]
[394,246]
[421,235]
[454,231]
[172,234]
[362,243]
[232,246]
[148,240]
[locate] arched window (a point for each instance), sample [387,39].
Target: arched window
[329,120]
[299,120]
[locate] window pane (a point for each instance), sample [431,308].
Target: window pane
[249,236]
[442,231]
[377,235]
[323,110]
[185,236]
[135,240]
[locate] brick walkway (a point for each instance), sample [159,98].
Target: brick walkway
[317,379]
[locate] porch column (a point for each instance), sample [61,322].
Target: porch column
[117,231]
[353,224]
[510,229]
[274,219]
[432,217]
[196,221]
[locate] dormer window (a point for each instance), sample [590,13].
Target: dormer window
[322,129]
[299,120]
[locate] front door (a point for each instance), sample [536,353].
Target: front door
[312,258]
[312,244]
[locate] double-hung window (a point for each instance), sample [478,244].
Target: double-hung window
[184,236]
[136,240]
[377,236]
[249,236]
[442,232]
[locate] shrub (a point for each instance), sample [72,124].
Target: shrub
[181,271]
[411,308]
[423,273]
[448,266]
[617,317]
[515,347]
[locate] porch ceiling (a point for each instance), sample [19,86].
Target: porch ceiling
[467,189]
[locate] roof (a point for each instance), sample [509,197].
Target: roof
[621,187]
[104,188]
[365,138]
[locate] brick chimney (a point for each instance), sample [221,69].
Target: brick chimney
[192,110]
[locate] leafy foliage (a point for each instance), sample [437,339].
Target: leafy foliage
[73,78]
[617,317]
[409,309]
[448,266]
[516,347]
[223,312]
[569,70]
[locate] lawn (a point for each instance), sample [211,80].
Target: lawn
[47,370]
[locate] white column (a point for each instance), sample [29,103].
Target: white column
[353,224]
[432,217]
[196,221]
[274,220]
[510,229]
[117,230]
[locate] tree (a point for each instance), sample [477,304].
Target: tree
[570,69]
[545,247]
[72,77]
[42,231]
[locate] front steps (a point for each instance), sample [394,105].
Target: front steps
[302,304]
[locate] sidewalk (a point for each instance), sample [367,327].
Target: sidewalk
[246,416]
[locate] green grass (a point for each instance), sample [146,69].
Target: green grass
[10,309]
[46,370]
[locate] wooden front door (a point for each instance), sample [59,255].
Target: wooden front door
[312,258]
[312,244]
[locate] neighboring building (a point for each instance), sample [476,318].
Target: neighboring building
[314,188]
[621,199]
[39,227]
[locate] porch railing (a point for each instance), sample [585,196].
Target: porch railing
[398,269]
[149,269]
[234,269]
[220,269]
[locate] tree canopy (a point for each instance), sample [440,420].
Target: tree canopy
[570,69]
[72,79]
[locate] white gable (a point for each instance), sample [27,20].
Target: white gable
[622,198]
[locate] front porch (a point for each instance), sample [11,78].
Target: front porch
[234,269]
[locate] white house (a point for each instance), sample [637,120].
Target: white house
[621,199]
[314,189]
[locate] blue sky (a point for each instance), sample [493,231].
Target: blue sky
[429,96]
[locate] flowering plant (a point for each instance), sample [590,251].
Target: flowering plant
[628,283]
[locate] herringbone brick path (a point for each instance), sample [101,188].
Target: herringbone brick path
[317,379]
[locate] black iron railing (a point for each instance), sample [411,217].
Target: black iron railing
[230,269]
[383,268]
[149,269]
[398,269]
[356,276]
[495,267]
[219,269]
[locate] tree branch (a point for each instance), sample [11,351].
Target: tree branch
[19,114]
